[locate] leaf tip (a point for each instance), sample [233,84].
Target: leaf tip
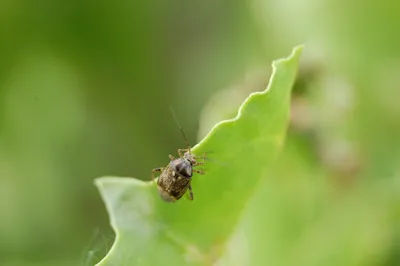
[110,181]
[296,52]
[100,182]
[298,49]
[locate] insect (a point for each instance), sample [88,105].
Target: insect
[175,179]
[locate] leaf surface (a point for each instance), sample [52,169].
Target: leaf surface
[152,232]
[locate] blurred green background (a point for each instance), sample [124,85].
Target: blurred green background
[85,88]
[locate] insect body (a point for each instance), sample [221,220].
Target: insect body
[176,177]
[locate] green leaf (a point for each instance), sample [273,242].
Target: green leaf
[150,231]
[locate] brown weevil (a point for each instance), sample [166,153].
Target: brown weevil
[175,179]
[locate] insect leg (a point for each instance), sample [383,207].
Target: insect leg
[171,157]
[190,192]
[199,171]
[204,160]
[158,169]
[181,151]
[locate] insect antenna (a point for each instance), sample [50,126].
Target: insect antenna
[218,162]
[180,127]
